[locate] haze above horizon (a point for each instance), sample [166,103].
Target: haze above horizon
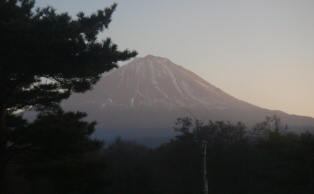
[261,52]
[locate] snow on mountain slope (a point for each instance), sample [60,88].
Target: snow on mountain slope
[155,81]
[150,93]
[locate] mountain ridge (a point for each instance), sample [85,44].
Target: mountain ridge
[150,92]
[166,69]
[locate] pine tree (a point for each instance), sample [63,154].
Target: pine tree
[45,56]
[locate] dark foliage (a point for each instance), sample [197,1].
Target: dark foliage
[129,167]
[44,57]
[238,160]
[57,147]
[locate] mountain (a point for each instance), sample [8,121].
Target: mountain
[145,96]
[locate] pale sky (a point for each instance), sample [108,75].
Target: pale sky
[261,52]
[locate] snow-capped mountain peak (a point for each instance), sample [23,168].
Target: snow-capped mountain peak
[151,92]
[156,81]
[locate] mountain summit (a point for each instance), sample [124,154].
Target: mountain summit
[155,81]
[146,96]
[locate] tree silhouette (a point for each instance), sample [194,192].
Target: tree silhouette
[58,147]
[45,56]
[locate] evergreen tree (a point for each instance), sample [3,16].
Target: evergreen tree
[129,167]
[45,56]
[58,148]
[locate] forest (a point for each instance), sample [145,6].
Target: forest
[268,158]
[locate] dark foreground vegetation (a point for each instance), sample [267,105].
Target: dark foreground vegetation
[46,56]
[63,158]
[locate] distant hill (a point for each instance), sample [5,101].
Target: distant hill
[144,98]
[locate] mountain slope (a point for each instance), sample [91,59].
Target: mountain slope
[146,95]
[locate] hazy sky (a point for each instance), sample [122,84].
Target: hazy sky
[261,52]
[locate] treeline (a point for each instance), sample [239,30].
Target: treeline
[62,158]
[265,159]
